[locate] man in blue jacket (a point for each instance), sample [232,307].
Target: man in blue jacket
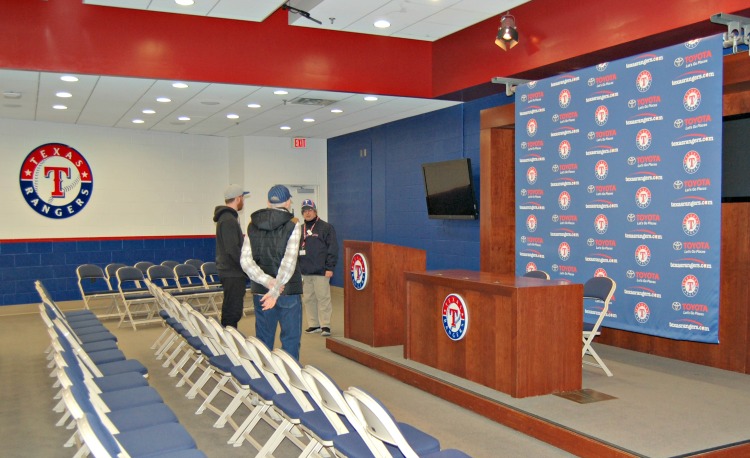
[317,259]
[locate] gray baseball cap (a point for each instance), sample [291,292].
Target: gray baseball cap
[234,190]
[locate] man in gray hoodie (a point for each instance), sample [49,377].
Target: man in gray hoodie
[228,247]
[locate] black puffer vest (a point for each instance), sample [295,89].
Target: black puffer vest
[268,231]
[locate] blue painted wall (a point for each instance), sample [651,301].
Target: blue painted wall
[379,195]
[55,262]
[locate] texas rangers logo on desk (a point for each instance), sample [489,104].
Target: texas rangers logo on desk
[359,271]
[455,317]
[56,180]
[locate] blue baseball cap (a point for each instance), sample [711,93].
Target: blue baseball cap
[279,194]
[308,203]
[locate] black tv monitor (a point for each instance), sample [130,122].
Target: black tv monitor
[449,188]
[735,186]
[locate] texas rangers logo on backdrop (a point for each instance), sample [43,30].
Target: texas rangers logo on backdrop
[56,180]
[455,317]
[359,271]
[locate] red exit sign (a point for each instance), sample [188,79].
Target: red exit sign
[299,142]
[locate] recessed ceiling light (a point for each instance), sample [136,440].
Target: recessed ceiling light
[185,2]
[253,105]
[309,120]
[370,98]
[285,128]
[179,85]
[337,110]
[59,107]
[233,116]
[69,78]
[184,118]
[382,24]
[138,121]
[12,94]
[280,92]
[163,99]
[148,111]
[64,95]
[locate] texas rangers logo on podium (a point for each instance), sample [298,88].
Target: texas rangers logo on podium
[455,317]
[359,271]
[56,180]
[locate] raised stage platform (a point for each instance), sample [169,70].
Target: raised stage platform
[652,406]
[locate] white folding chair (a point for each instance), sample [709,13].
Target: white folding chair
[95,288]
[193,289]
[140,306]
[601,290]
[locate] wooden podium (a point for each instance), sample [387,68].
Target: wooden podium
[522,337]
[376,314]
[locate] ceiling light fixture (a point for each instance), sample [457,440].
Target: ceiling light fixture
[148,111]
[337,110]
[12,94]
[253,105]
[382,24]
[507,34]
[163,99]
[285,128]
[280,92]
[64,95]
[309,120]
[138,121]
[69,78]
[184,118]
[233,116]
[59,107]
[370,98]
[185,2]
[179,85]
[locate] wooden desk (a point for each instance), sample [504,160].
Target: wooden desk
[523,336]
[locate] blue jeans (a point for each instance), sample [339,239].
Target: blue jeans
[288,314]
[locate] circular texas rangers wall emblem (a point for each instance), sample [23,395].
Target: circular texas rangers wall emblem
[56,180]
[359,271]
[455,317]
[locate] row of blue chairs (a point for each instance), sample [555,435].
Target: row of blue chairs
[252,385]
[105,397]
[123,290]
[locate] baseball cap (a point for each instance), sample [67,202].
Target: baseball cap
[234,190]
[279,194]
[308,203]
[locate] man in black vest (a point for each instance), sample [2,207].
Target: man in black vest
[269,257]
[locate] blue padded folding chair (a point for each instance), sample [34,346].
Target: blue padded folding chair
[111,271]
[601,290]
[194,290]
[95,289]
[210,274]
[140,306]
[143,266]
[383,428]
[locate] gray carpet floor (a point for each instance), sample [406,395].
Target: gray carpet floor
[661,407]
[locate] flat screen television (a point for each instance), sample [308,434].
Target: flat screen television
[449,188]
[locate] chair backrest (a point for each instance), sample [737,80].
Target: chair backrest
[600,289]
[188,276]
[330,398]
[129,278]
[265,363]
[378,421]
[210,273]
[537,274]
[143,266]
[94,274]
[111,271]
[100,442]
[207,333]
[197,263]
[247,359]
[169,264]
[290,374]
[161,275]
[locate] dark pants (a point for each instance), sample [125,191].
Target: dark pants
[234,297]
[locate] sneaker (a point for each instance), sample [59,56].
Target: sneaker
[312,330]
[325,332]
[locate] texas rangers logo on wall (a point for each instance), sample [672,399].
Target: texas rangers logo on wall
[455,317]
[56,180]
[359,271]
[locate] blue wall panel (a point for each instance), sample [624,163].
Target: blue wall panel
[396,197]
[55,262]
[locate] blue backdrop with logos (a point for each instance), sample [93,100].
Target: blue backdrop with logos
[618,173]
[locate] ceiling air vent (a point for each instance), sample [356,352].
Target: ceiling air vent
[309,101]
